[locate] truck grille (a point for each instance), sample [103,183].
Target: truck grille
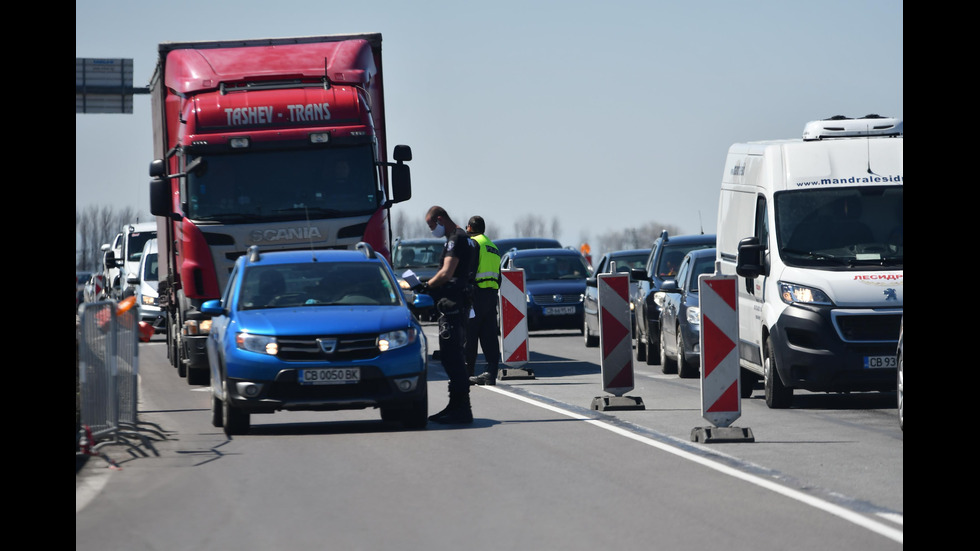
[347,348]
[868,327]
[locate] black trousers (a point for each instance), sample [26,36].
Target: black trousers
[482,330]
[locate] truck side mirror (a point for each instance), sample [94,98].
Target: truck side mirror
[401,183]
[159,196]
[751,258]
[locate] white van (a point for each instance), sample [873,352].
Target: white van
[813,229]
[147,296]
[135,237]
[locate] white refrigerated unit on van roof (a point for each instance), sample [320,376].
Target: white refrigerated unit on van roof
[813,229]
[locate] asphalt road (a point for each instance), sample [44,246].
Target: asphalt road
[539,468]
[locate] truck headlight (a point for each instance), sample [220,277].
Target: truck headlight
[791,293]
[263,344]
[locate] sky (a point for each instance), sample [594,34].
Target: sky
[602,115]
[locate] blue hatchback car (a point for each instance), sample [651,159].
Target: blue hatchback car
[319,330]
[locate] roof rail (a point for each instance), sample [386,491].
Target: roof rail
[253,253]
[366,249]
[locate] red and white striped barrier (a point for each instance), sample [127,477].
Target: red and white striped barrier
[513,325]
[616,343]
[720,399]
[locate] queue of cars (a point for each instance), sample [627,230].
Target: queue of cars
[661,265]
[622,262]
[680,315]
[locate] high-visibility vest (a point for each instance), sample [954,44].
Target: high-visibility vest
[488,265]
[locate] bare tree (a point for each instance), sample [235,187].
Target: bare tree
[95,226]
[532,225]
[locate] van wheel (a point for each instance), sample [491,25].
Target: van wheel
[667,365]
[685,370]
[747,384]
[778,396]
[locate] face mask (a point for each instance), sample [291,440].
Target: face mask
[439,231]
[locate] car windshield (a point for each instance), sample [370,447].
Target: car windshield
[624,263]
[422,255]
[283,185]
[151,270]
[317,284]
[672,256]
[840,227]
[552,267]
[704,265]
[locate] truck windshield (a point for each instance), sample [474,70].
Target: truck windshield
[283,185]
[840,227]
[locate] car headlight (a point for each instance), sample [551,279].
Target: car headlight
[397,339]
[658,299]
[792,293]
[263,344]
[693,315]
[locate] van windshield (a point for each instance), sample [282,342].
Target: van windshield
[840,227]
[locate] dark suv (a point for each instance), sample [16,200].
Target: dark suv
[665,257]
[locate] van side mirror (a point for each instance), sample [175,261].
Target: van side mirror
[639,275]
[751,261]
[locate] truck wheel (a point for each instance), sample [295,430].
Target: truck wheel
[196,377]
[685,370]
[778,396]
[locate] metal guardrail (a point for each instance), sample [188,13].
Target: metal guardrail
[108,377]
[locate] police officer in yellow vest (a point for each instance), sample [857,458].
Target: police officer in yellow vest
[483,327]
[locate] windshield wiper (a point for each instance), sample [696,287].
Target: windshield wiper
[816,256]
[312,210]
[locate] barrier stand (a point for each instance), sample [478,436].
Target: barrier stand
[616,344]
[720,397]
[513,326]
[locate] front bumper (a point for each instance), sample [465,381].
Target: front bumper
[824,350]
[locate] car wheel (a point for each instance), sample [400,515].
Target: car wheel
[217,418]
[667,365]
[236,421]
[641,349]
[591,341]
[685,370]
[778,396]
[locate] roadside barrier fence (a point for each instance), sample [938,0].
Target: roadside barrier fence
[108,380]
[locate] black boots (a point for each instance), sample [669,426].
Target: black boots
[485,378]
[458,412]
